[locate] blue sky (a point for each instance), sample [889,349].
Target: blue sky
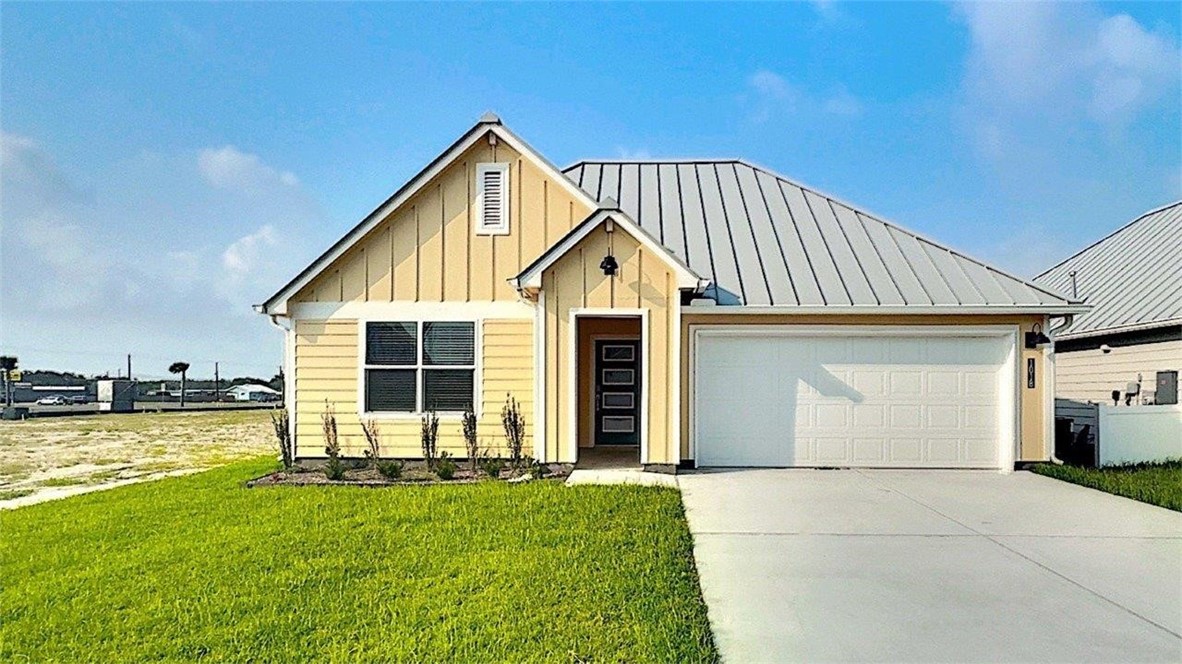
[166,165]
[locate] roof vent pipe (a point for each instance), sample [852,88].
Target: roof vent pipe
[1074,285]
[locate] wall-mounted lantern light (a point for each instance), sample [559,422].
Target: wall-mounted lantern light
[609,265]
[1035,337]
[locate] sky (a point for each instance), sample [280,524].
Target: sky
[164,166]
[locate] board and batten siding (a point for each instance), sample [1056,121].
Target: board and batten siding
[1092,375]
[427,251]
[326,372]
[1032,403]
[644,281]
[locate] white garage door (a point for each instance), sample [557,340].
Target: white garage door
[846,398]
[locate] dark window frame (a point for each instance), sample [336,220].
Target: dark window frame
[421,366]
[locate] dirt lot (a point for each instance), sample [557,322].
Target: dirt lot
[46,458]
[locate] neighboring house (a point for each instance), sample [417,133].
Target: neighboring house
[252,392]
[703,312]
[1133,334]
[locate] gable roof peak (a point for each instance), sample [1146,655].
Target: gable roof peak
[489,118]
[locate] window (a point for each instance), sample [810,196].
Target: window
[415,366]
[492,199]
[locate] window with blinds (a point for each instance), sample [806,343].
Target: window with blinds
[412,367]
[492,199]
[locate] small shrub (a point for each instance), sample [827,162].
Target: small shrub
[537,469]
[470,441]
[492,466]
[391,470]
[430,437]
[333,469]
[514,423]
[373,442]
[281,423]
[445,468]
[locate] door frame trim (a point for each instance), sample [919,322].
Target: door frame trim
[591,384]
[572,381]
[1012,434]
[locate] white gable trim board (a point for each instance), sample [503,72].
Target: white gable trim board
[863,396]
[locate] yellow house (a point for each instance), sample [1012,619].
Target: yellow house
[698,312]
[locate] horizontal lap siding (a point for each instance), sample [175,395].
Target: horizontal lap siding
[326,370]
[1092,375]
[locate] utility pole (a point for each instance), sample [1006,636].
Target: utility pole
[129,366]
[217,384]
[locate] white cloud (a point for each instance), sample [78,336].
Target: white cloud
[638,154]
[1065,60]
[230,168]
[772,95]
[154,261]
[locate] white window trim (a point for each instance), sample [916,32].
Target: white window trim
[478,218]
[418,367]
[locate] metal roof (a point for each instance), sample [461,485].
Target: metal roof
[1132,278]
[764,240]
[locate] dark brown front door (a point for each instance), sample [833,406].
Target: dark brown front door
[617,392]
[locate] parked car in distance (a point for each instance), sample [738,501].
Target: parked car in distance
[80,399]
[51,401]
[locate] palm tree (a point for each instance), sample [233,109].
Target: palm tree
[7,366]
[180,368]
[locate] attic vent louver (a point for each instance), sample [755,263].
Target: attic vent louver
[492,199]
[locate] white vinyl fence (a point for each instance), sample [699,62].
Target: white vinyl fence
[1132,434]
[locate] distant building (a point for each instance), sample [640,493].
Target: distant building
[253,392]
[1131,340]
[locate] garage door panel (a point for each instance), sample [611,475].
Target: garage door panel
[851,400]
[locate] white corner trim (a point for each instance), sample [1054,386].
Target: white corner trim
[540,394]
[411,310]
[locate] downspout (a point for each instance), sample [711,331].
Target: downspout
[1066,322]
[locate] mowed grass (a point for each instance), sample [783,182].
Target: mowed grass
[1154,483]
[200,567]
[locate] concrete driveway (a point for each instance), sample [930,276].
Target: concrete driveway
[844,565]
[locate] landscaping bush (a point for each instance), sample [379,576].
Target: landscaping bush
[514,423]
[333,468]
[430,436]
[391,470]
[373,442]
[492,466]
[281,423]
[470,442]
[445,468]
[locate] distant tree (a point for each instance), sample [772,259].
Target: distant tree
[8,364]
[181,368]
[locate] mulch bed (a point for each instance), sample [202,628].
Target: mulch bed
[414,472]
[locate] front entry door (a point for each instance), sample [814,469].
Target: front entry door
[617,392]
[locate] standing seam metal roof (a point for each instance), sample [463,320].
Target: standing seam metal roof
[1131,278]
[764,240]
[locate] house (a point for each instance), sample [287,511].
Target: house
[697,312]
[253,392]
[1129,346]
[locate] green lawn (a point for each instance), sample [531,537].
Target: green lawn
[199,567]
[1158,484]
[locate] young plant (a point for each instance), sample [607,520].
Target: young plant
[445,468]
[430,437]
[514,423]
[391,470]
[282,425]
[470,441]
[333,469]
[373,442]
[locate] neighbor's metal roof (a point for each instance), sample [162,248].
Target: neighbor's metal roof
[1132,278]
[767,241]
